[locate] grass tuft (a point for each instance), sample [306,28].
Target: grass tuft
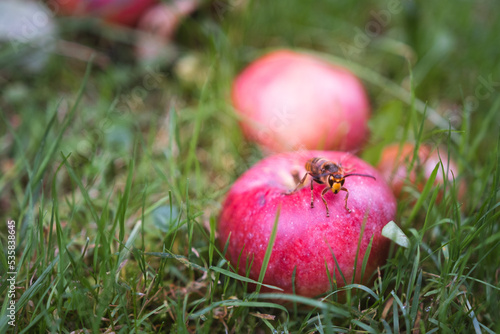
[114,175]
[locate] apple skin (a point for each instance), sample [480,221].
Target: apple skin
[305,238]
[292,101]
[394,163]
[124,12]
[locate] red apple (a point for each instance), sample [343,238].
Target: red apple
[395,162]
[289,101]
[306,237]
[125,12]
[158,25]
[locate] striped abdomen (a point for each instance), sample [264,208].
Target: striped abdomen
[314,166]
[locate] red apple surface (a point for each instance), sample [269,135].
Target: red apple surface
[125,12]
[293,101]
[306,238]
[395,162]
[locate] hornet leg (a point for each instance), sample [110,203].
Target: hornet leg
[324,200]
[312,195]
[298,185]
[346,197]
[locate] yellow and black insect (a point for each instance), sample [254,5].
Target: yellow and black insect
[323,171]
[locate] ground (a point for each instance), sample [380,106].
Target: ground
[113,171]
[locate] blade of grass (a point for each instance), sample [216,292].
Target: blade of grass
[361,287]
[269,325]
[127,247]
[416,299]
[333,309]
[365,258]
[211,245]
[191,154]
[336,263]
[80,185]
[319,326]
[365,327]
[269,250]
[418,138]
[404,312]
[358,247]
[179,258]
[395,316]
[425,193]
[387,328]
[124,201]
[243,278]
[237,303]
[67,121]
[413,274]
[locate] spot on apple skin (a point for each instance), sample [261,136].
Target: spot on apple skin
[262,200]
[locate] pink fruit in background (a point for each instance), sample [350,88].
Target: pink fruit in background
[125,12]
[158,25]
[289,101]
[306,237]
[395,163]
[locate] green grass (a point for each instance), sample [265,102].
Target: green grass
[115,175]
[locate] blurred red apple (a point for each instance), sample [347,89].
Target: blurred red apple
[289,101]
[158,25]
[125,12]
[395,163]
[306,238]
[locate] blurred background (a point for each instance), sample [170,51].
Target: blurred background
[151,58]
